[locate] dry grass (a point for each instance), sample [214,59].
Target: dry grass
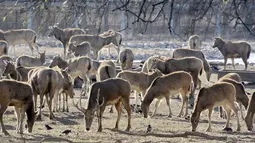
[164,129]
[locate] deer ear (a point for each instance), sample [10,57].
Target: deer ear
[5,62]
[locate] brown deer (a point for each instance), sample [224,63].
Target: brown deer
[102,94]
[233,50]
[20,36]
[63,35]
[241,94]
[29,61]
[19,95]
[219,94]
[44,82]
[165,87]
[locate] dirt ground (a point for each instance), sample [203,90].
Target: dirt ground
[164,129]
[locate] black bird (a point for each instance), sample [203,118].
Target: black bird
[149,128]
[66,132]
[48,127]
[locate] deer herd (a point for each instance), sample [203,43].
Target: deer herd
[28,76]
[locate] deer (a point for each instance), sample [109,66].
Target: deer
[63,35]
[192,65]
[195,42]
[115,41]
[233,50]
[44,82]
[181,53]
[83,49]
[219,94]
[139,81]
[241,94]
[20,95]
[20,36]
[108,92]
[126,58]
[97,42]
[166,86]
[29,61]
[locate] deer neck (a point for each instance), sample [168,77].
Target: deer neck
[149,97]
[59,33]
[63,64]
[15,75]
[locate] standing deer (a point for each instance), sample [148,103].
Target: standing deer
[63,35]
[19,95]
[44,82]
[29,61]
[165,87]
[20,36]
[195,42]
[102,94]
[126,58]
[233,50]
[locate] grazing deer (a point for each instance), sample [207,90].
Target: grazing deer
[241,95]
[165,87]
[3,47]
[28,61]
[63,35]
[250,113]
[20,36]
[139,81]
[102,94]
[126,58]
[219,94]
[19,95]
[233,50]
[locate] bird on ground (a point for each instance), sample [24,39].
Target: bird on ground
[66,132]
[48,127]
[149,128]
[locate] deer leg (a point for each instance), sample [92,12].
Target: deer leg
[244,58]
[156,108]
[168,104]
[67,108]
[228,111]
[31,48]
[225,62]
[2,124]
[233,64]
[99,116]
[209,129]
[136,100]
[17,113]
[235,110]
[241,110]
[128,109]
[22,116]
[49,101]
[118,108]
[40,108]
